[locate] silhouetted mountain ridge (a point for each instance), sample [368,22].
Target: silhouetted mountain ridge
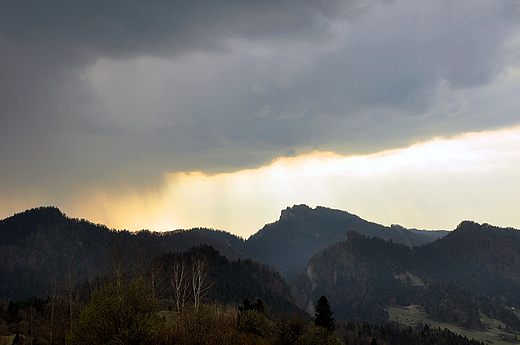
[42,244]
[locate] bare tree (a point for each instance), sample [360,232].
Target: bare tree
[155,268]
[200,283]
[70,287]
[51,307]
[139,256]
[179,282]
[117,261]
[134,259]
[32,310]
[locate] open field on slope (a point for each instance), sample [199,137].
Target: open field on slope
[412,315]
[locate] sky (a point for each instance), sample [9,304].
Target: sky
[163,115]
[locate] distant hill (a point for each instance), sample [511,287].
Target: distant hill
[40,247]
[289,243]
[478,257]
[474,270]
[234,241]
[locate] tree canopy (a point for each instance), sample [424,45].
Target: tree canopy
[118,314]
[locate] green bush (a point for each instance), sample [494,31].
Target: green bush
[118,314]
[318,335]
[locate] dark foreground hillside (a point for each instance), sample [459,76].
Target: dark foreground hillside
[137,287]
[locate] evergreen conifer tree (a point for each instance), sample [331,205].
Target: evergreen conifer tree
[324,314]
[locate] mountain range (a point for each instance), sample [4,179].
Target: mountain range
[301,232]
[467,276]
[42,245]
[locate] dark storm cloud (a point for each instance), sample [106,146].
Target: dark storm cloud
[45,46]
[122,29]
[239,84]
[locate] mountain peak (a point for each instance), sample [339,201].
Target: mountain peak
[294,211]
[468,225]
[480,243]
[302,231]
[473,230]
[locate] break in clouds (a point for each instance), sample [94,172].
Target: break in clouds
[118,93]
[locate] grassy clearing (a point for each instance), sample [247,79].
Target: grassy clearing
[412,316]
[416,281]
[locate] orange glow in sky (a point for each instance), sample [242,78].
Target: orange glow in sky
[432,185]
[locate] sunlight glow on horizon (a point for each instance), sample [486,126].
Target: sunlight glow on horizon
[431,185]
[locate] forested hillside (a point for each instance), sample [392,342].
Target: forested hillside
[477,256]
[229,282]
[289,243]
[473,270]
[41,248]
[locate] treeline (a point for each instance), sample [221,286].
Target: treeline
[125,312]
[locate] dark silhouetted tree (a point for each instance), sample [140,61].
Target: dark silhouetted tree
[324,314]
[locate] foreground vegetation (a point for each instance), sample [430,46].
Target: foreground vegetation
[126,312]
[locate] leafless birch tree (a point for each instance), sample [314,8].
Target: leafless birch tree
[180,283]
[200,283]
[51,307]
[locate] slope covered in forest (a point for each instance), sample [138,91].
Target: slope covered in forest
[475,269]
[289,243]
[40,247]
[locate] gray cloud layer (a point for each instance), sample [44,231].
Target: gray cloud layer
[220,86]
